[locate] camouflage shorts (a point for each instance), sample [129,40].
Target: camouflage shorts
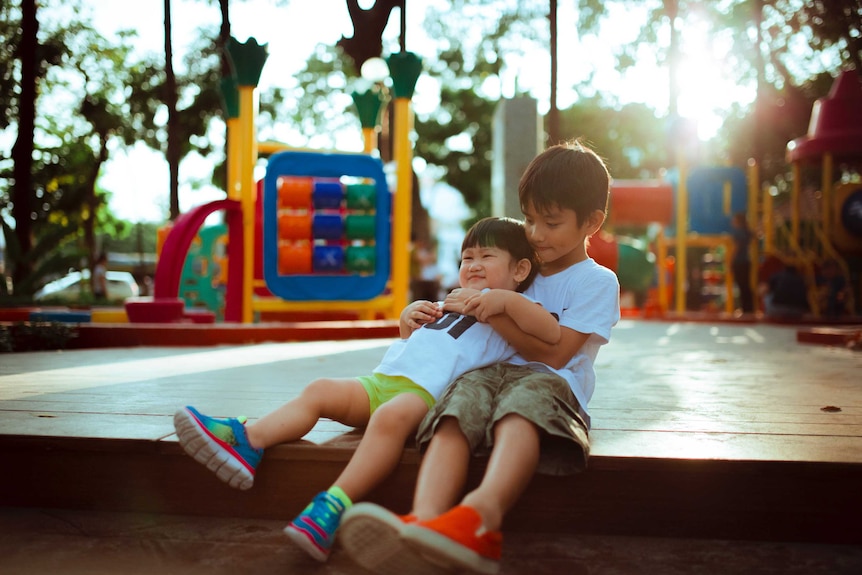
[480,398]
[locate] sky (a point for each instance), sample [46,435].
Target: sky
[138,178]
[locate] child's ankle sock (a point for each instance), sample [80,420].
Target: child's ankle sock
[339,494]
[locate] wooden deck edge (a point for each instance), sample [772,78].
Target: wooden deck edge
[98,335]
[835,336]
[775,501]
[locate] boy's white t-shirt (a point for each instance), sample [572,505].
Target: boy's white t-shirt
[586,298]
[438,353]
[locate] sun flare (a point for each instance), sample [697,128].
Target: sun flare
[706,84]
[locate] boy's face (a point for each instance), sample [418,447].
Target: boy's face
[488,268]
[558,239]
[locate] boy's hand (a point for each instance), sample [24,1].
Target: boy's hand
[457,298]
[485,304]
[419,313]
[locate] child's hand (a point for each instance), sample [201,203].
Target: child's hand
[456,299]
[419,313]
[485,304]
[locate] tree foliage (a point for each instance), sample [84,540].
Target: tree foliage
[49,191]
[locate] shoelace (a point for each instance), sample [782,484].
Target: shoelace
[325,512]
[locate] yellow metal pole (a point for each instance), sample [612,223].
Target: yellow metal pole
[248,158]
[794,201]
[403,203]
[754,225]
[661,248]
[368,140]
[826,189]
[681,265]
[404,67]
[248,60]
[728,276]
[768,223]
[234,147]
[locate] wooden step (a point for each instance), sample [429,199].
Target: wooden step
[636,496]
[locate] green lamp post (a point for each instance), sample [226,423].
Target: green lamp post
[247,60]
[368,105]
[404,67]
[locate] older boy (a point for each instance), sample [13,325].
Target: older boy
[530,412]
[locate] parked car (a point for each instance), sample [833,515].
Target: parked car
[121,285]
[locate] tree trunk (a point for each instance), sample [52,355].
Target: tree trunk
[224,38]
[553,112]
[368,26]
[759,101]
[22,151]
[672,10]
[173,152]
[226,72]
[93,208]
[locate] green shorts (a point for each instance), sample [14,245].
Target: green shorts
[381,388]
[480,398]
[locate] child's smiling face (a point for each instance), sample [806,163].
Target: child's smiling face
[486,267]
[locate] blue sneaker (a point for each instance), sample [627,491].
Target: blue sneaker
[314,529]
[220,444]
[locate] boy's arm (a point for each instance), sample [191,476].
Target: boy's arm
[531,348]
[527,315]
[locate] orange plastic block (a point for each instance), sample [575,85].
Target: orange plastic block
[295,191]
[294,258]
[294,227]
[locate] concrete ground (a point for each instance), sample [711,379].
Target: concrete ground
[67,542]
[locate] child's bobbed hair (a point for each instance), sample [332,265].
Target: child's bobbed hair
[507,234]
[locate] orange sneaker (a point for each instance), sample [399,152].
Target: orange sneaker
[454,539]
[371,536]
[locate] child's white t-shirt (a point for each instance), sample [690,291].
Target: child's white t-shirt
[586,298]
[438,353]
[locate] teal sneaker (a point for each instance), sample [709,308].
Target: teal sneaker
[220,444]
[314,529]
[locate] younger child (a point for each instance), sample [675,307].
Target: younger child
[531,412]
[495,254]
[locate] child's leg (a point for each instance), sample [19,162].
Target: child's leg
[528,406]
[232,450]
[342,400]
[382,444]
[468,536]
[443,471]
[513,462]
[375,458]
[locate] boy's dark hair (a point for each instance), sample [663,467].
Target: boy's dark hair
[569,176]
[506,234]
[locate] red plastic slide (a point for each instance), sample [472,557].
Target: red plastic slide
[170,266]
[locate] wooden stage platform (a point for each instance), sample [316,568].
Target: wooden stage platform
[733,431]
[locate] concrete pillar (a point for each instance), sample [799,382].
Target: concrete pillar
[517,139]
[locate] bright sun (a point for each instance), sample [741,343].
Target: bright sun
[707,87]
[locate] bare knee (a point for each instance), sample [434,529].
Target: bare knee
[319,390]
[514,424]
[342,400]
[448,427]
[398,417]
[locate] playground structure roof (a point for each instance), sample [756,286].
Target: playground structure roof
[836,124]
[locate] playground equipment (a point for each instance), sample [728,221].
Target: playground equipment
[326,233]
[321,231]
[818,225]
[694,215]
[325,237]
[824,225]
